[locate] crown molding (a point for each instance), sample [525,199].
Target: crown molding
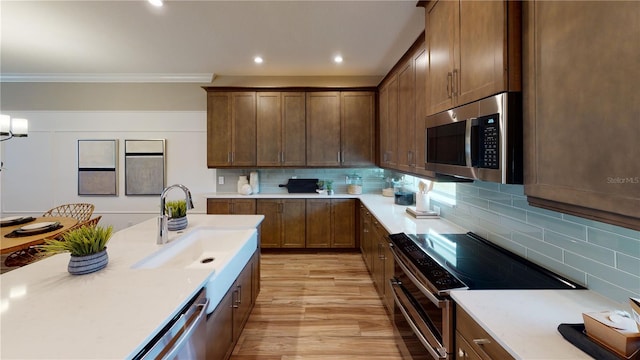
[108,78]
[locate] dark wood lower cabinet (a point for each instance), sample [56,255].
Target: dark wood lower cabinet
[225,323]
[331,223]
[284,223]
[231,206]
[374,245]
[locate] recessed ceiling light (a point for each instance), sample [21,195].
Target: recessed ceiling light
[257,60]
[337,59]
[157,3]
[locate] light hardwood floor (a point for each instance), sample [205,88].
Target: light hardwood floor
[316,306]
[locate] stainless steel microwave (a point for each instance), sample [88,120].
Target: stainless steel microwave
[477,141]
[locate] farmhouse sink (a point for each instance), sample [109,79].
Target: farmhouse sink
[202,248]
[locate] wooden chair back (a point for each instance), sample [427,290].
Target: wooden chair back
[79,211]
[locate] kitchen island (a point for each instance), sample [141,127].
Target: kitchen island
[113,313]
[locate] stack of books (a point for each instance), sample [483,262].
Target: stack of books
[421,214]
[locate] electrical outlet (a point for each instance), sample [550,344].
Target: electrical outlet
[220,180]
[436,209]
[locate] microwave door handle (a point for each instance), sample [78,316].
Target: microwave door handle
[474,156]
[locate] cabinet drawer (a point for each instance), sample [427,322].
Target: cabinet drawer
[478,338]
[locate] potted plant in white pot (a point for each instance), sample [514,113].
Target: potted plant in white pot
[87,246]
[177,210]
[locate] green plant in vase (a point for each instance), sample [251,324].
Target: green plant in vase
[329,185]
[177,210]
[87,246]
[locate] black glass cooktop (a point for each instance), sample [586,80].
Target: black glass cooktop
[474,261]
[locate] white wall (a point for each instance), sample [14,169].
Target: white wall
[40,171]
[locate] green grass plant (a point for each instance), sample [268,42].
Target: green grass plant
[176,208]
[83,241]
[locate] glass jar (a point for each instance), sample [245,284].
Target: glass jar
[354,184]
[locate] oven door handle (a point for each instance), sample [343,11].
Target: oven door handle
[438,302]
[436,353]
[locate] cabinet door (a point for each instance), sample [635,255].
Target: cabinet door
[378,258]
[420,68]
[323,128]
[219,206]
[389,124]
[481,68]
[343,212]
[243,206]
[271,227]
[318,223]
[357,132]
[581,117]
[269,125]
[219,329]
[366,240]
[383,123]
[243,114]
[243,299]
[294,223]
[389,268]
[406,118]
[294,129]
[218,129]
[442,22]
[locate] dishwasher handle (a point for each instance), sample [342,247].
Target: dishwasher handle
[191,325]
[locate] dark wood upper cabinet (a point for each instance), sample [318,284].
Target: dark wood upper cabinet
[406,117]
[388,121]
[323,128]
[231,129]
[357,128]
[582,109]
[281,127]
[474,51]
[340,128]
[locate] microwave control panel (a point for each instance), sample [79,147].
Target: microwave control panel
[488,141]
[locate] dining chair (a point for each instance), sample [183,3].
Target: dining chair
[33,253]
[79,211]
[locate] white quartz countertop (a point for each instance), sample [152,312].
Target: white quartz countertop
[46,313]
[525,322]
[394,218]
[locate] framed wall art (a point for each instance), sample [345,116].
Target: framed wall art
[98,167]
[144,167]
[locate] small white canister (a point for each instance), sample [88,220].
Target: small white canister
[242,180]
[423,201]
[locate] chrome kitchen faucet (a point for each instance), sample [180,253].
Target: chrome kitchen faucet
[163,218]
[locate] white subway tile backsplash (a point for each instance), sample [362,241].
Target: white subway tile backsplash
[605,258]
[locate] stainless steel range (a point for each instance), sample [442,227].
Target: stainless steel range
[429,266]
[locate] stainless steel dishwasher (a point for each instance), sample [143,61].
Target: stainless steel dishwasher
[185,335]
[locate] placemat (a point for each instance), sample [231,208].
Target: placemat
[20,233]
[19,221]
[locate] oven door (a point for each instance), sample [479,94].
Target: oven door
[424,320]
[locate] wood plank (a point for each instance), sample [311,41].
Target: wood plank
[316,306]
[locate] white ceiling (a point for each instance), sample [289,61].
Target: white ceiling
[187,40]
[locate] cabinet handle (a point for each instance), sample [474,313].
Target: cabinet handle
[282,157]
[239,299]
[234,299]
[454,85]
[342,157]
[462,354]
[338,157]
[449,84]
[481,341]
[229,157]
